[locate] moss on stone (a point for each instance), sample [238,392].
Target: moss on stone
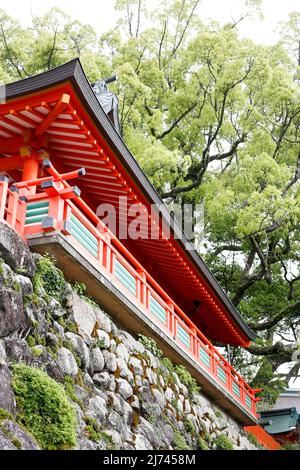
[17,443]
[222,442]
[70,391]
[188,426]
[179,442]
[31,341]
[202,444]
[5,415]
[49,278]
[43,408]
[36,351]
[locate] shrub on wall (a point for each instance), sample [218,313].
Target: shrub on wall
[43,408]
[223,442]
[49,277]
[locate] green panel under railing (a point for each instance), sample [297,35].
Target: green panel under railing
[205,357]
[125,277]
[84,236]
[158,311]
[221,374]
[36,212]
[183,336]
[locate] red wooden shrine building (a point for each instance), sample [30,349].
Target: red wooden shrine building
[51,126]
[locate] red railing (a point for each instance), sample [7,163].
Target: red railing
[91,238]
[263,437]
[12,208]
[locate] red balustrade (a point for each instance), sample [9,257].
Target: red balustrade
[54,210]
[12,208]
[263,437]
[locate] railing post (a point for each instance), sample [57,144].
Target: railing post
[13,200]
[3,195]
[170,318]
[66,223]
[141,287]
[55,212]
[174,327]
[21,216]
[213,361]
[242,388]
[100,251]
[194,342]
[112,260]
[229,378]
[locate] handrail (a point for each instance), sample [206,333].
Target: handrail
[265,439]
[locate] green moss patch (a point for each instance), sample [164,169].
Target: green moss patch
[43,408]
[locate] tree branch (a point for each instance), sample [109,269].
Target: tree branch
[278,349]
[289,311]
[9,53]
[177,121]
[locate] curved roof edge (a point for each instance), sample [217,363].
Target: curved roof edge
[73,71]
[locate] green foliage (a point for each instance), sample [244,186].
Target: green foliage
[179,442]
[31,341]
[202,445]
[186,378]
[92,429]
[5,414]
[16,286]
[168,364]
[272,384]
[150,345]
[90,301]
[70,391]
[218,414]
[100,343]
[290,446]
[17,443]
[79,288]
[43,408]
[223,442]
[36,351]
[72,327]
[93,432]
[49,278]
[252,439]
[188,426]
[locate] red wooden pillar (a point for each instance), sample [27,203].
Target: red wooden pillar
[30,166]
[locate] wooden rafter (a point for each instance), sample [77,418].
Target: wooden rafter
[59,108]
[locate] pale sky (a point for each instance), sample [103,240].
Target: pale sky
[100,13]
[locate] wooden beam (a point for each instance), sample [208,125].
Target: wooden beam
[10,144]
[13,144]
[60,106]
[11,163]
